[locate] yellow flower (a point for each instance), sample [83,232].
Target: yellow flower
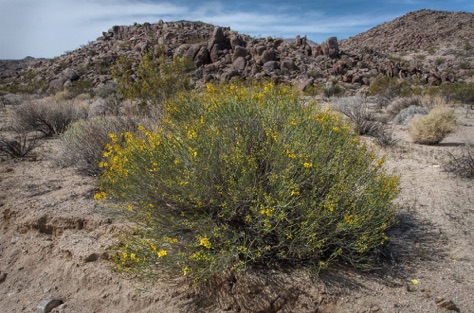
[335,128]
[295,193]
[330,207]
[308,164]
[132,256]
[161,253]
[130,207]
[186,271]
[191,134]
[348,219]
[100,196]
[204,241]
[153,247]
[414,281]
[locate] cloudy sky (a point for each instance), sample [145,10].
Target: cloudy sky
[48,28]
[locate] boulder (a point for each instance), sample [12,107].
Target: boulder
[270,66]
[330,47]
[70,74]
[239,52]
[239,63]
[288,64]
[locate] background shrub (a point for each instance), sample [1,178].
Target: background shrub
[434,127]
[240,176]
[83,144]
[48,116]
[402,103]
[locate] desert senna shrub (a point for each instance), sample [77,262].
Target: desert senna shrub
[430,129]
[154,80]
[241,176]
[48,116]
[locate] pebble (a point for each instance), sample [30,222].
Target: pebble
[47,305]
[446,304]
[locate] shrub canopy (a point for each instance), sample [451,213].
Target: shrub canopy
[247,175]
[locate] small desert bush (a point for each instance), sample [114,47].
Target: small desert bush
[407,114]
[18,147]
[48,116]
[461,164]
[365,123]
[242,176]
[434,127]
[402,103]
[83,143]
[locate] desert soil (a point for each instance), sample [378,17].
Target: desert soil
[54,240]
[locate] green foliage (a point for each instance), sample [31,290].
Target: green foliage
[440,60]
[461,91]
[389,87]
[154,81]
[434,127]
[246,176]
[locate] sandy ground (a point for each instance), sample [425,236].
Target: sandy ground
[54,239]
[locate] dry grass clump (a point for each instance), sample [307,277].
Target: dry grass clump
[434,127]
[48,116]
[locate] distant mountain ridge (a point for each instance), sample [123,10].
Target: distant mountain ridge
[417,31]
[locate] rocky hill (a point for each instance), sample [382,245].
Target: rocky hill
[220,54]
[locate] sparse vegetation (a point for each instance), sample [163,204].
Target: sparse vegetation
[240,176]
[434,127]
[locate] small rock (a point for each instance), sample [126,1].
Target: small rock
[446,304]
[3,276]
[47,305]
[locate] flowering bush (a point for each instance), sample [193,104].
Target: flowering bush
[247,175]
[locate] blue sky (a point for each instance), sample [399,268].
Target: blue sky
[48,28]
